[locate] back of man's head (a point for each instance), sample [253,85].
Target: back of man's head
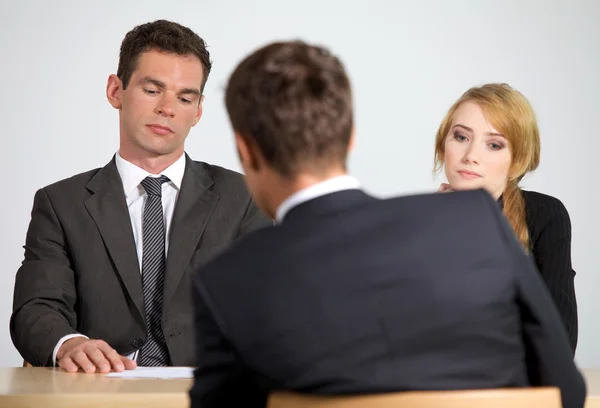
[164,36]
[293,102]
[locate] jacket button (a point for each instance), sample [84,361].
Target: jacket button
[137,343]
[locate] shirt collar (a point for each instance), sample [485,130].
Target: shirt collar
[132,175]
[329,186]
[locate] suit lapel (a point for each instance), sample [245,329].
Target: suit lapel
[194,207]
[108,207]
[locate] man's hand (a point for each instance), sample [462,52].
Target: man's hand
[91,356]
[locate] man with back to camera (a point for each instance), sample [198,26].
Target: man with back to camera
[350,294]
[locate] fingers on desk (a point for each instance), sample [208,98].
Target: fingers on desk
[94,356]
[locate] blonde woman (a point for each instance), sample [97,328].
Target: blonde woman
[490,139]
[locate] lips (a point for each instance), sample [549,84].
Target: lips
[469,175]
[159,129]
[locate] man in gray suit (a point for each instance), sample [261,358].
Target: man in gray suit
[104,284]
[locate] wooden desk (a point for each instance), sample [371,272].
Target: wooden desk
[42,387]
[592,378]
[52,388]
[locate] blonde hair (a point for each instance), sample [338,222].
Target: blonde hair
[511,114]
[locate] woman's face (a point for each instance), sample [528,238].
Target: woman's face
[475,154]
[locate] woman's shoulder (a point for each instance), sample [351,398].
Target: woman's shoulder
[543,211]
[544,203]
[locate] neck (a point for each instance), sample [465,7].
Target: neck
[152,163]
[282,188]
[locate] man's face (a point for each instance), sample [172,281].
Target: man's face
[160,105]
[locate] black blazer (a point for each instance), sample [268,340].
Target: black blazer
[81,274]
[549,228]
[351,294]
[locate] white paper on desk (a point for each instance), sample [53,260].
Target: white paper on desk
[167,373]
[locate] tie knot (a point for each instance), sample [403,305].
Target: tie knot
[152,185]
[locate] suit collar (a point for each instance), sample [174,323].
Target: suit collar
[329,186]
[327,204]
[132,175]
[195,174]
[102,180]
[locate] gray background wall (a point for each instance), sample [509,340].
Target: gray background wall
[408,61]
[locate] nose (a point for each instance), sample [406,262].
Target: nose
[471,155]
[166,106]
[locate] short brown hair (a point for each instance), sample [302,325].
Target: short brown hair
[165,36]
[294,101]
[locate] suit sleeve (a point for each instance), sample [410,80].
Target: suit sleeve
[221,379]
[45,292]
[552,252]
[548,351]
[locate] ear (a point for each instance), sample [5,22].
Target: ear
[114,91]
[248,153]
[198,114]
[351,141]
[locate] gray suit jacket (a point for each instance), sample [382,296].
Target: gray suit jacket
[81,273]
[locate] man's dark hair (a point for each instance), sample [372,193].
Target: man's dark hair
[165,36]
[294,102]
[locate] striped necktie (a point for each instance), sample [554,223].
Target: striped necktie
[154,352]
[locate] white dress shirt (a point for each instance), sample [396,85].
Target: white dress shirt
[329,186]
[135,195]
